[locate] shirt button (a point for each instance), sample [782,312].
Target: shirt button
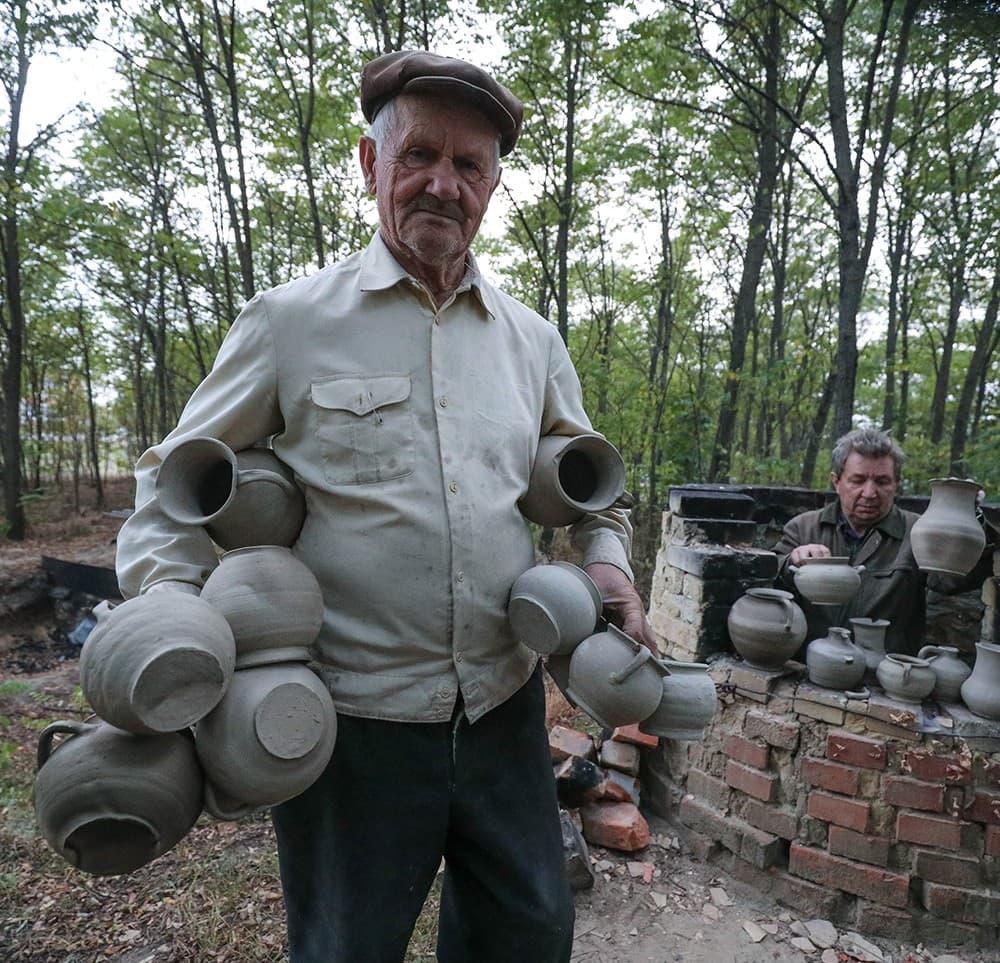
[460,577]
[453,487]
[458,656]
[443,402]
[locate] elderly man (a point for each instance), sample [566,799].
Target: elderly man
[408,395]
[865,525]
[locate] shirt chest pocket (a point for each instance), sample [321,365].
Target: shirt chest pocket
[364,427]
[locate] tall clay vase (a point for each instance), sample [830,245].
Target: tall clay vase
[947,537]
[834,661]
[572,476]
[869,636]
[950,672]
[766,627]
[110,801]
[241,498]
[687,704]
[981,691]
[272,602]
[158,662]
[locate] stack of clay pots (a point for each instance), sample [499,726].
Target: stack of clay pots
[202,701]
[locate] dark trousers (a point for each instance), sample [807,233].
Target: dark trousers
[360,848]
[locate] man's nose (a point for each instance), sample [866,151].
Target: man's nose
[870,489]
[443,180]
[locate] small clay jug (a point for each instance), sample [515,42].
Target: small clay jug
[572,476]
[869,636]
[110,801]
[906,677]
[552,608]
[834,661]
[272,602]
[687,704]
[615,679]
[244,498]
[949,671]
[766,627]
[827,581]
[158,662]
[981,691]
[947,537]
[269,738]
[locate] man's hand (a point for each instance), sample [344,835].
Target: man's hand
[798,555]
[622,605]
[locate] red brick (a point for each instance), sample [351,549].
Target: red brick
[760,785]
[831,775]
[986,770]
[633,735]
[929,831]
[772,819]
[993,840]
[913,793]
[964,905]
[953,770]
[743,750]
[774,730]
[619,755]
[869,882]
[943,868]
[984,808]
[616,825]
[866,849]
[565,742]
[851,813]
[844,746]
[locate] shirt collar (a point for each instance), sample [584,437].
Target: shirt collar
[892,524]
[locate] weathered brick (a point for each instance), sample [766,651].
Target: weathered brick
[745,751]
[964,905]
[707,787]
[986,770]
[709,503]
[830,775]
[622,756]
[707,563]
[760,785]
[943,868]
[913,793]
[760,848]
[993,841]
[952,770]
[984,808]
[815,902]
[854,750]
[565,742]
[866,849]
[823,713]
[616,825]
[929,831]
[774,730]
[885,921]
[850,813]
[869,882]
[631,734]
[772,819]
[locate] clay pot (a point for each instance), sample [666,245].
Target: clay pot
[554,607]
[827,581]
[766,627]
[687,704]
[869,636]
[570,477]
[947,537]
[242,499]
[949,671]
[834,661]
[272,602]
[269,738]
[110,801]
[981,691]
[906,677]
[614,679]
[157,663]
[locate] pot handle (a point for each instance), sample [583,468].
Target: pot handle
[859,569]
[246,475]
[642,656]
[934,651]
[227,813]
[73,726]
[786,604]
[103,609]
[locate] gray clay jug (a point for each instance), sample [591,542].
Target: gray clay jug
[906,678]
[947,537]
[158,662]
[552,608]
[241,498]
[827,581]
[687,704]
[268,739]
[271,600]
[572,476]
[949,671]
[766,627]
[110,801]
[869,636]
[981,691]
[834,661]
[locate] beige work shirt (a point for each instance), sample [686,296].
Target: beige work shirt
[412,430]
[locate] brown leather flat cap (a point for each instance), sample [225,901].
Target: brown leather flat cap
[417,71]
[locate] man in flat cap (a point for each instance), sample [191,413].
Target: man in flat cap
[409,395]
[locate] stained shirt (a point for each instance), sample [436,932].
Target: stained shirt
[411,429]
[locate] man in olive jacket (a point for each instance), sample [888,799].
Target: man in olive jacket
[865,525]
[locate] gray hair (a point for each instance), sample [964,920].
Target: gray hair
[869,443]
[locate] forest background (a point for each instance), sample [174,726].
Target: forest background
[756,223]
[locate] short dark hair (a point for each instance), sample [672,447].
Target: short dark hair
[869,443]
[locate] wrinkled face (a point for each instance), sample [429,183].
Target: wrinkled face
[866,488]
[432,178]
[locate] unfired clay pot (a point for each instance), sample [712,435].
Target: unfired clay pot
[981,691]
[570,477]
[554,607]
[158,662]
[906,677]
[766,627]
[949,671]
[869,636]
[110,801]
[268,739]
[947,537]
[687,704]
[271,600]
[834,661]
[827,581]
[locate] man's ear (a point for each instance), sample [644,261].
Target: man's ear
[366,157]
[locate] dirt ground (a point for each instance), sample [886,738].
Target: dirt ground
[660,904]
